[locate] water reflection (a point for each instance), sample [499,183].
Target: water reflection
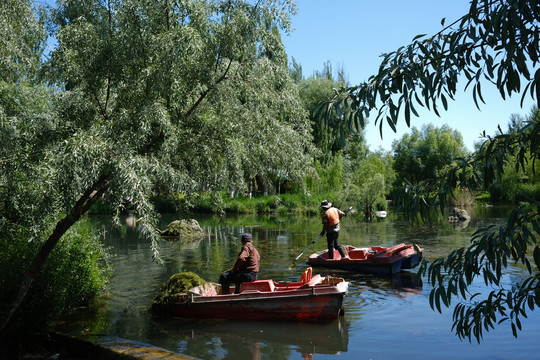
[257,340]
[130,221]
[400,285]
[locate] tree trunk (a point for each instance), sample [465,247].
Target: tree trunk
[86,201]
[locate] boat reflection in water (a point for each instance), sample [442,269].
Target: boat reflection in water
[400,285]
[244,339]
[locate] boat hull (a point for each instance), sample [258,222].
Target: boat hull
[374,260]
[298,308]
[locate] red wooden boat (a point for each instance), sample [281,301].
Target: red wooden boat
[312,298]
[376,259]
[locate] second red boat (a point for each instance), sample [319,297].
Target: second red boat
[375,259]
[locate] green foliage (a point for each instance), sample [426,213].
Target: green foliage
[260,135]
[241,205]
[270,204]
[265,206]
[462,197]
[381,205]
[421,155]
[175,98]
[482,198]
[492,248]
[368,183]
[529,191]
[329,138]
[298,203]
[295,71]
[365,196]
[23,40]
[282,210]
[290,203]
[327,179]
[102,207]
[27,126]
[75,273]
[517,183]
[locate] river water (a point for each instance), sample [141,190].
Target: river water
[385,317]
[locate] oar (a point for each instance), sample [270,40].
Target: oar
[314,241]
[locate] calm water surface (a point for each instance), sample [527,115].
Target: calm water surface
[385,317]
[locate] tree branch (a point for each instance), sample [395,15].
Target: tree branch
[207,91]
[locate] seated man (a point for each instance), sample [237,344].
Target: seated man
[245,269]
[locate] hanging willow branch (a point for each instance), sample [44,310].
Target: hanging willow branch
[496,42]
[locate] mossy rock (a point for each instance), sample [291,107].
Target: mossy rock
[179,283]
[459,215]
[183,228]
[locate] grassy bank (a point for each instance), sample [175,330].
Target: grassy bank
[271,204]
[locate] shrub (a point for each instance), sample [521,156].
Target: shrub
[265,205]
[529,191]
[74,274]
[381,205]
[282,210]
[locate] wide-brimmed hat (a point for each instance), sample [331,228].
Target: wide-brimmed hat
[246,237]
[325,204]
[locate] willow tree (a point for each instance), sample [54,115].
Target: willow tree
[151,96]
[495,44]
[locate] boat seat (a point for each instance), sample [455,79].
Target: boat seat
[258,285]
[306,276]
[358,254]
[208,289]
[392,250]
[314,281]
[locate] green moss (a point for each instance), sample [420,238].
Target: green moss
[179,283]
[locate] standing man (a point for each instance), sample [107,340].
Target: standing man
[330,221]
[245,269]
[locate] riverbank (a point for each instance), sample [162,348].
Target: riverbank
[99,347]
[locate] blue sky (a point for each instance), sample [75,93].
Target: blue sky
[352,34]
